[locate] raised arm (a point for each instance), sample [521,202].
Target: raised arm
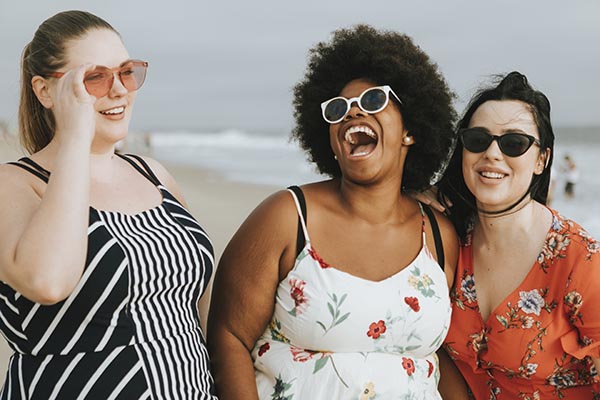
[244,292]
[43,229]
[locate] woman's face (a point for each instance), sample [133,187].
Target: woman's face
[103,47]
[496,180]
[369,147]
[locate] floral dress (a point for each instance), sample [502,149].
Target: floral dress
[337,336]
[539,342]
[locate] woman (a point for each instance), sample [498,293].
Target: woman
[101,265]
[349,302]
[524,322]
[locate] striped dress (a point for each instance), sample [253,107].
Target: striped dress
[130,329]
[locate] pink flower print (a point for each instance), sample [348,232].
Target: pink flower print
[413,303]
[409,365]
[376,329]
[263,349]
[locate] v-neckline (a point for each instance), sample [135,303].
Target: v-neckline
[532,270]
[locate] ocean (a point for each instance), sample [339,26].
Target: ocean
[274,160]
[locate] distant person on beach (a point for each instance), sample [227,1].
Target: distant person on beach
[101,265]
[525,319]
[339,289]
[571,174]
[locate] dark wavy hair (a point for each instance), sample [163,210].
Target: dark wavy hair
[384,58]
[513,86]
[42,56]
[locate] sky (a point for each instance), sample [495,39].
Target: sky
[217,65]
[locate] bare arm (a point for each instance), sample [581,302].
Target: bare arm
[43,239]
[452,385]
[244,293]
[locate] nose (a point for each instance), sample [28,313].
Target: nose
[354,111]
[117,88]
[493,152]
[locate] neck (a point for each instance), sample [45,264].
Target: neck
[377,204]
[506,228]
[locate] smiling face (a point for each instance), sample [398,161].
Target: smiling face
[113,111]
[496,180]
[369,147]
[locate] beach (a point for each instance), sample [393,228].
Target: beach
[219,205]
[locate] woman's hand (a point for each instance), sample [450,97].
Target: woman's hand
[73,106]
[430,197]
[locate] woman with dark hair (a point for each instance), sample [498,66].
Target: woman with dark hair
[339,289]
[101,265]
[525,323]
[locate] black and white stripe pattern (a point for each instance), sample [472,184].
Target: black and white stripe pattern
[130,329]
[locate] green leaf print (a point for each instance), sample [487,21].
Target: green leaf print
[321,362]
[334,311]
[280,388]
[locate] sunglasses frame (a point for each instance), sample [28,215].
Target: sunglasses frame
[113,71]
[385,88]
[498,138]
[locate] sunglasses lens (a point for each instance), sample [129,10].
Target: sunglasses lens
[514,144]
[373,100]
[132,75]
[476,141]
[98,82]
[335,110]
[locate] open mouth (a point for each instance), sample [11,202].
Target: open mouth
[113,111]
[360,140]
[491,175]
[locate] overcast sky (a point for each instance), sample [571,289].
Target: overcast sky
[232,64]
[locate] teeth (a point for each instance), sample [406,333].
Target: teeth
[493,175]
[113,111]
[349,135]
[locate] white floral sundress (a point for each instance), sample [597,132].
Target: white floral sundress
[337,336]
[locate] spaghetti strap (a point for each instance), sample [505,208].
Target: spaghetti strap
[298,197]
[437,237]
[145,171]
[35,165]
[31,170]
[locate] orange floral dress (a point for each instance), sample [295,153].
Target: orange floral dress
[540,341]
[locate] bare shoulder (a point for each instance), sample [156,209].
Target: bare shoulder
[16,182]
[165,178]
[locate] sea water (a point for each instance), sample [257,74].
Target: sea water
[274,160]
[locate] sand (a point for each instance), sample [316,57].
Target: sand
[219,205]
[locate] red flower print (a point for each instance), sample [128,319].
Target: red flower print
[376,329]
[302,355]
[297,291]
[409,365]
[316,257]
[430,368]
[413,303]
[263,349]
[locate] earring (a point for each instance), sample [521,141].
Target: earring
[407,139]
[334,157]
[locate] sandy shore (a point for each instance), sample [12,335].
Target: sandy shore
[220,206]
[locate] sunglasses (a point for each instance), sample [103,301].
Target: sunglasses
[371,101]
[512,144]
[99,81]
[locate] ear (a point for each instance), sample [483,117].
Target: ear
[41,89]
[542,161]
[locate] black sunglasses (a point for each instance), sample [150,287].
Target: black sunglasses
[512,144]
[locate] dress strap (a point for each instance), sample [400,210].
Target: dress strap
[32,167]
[144,169]
[302,236]
[437,237]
